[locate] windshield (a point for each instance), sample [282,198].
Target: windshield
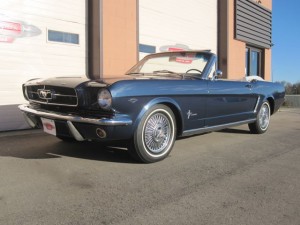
[173,62]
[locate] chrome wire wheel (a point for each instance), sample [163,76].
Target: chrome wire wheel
[264,116]
[262,122]
[157,133]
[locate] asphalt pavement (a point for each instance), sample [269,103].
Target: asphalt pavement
[227,177]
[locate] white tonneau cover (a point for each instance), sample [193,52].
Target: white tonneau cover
[251,78]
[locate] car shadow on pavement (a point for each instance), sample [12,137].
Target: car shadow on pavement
[93,151]
[41,146]
[234,131]
[227,130]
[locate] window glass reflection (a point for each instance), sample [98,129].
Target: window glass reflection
[64,37]
[254,63]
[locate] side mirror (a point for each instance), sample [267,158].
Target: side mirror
[218,74]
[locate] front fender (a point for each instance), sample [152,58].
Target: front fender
[165,101]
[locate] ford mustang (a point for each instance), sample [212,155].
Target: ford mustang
[163,97]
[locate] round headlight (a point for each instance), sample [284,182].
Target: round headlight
[104,99]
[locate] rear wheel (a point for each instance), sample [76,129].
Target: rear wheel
[155,135]
[262,120]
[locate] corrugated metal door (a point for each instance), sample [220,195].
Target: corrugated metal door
[38,38]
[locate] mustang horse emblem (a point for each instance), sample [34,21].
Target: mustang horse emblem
[44,94]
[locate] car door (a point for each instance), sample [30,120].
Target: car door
[193,103]
[229,102]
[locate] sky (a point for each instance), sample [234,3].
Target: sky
[286,40]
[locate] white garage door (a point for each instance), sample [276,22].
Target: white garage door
[172,25]
[38,38]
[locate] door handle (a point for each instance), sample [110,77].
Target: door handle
[249,85]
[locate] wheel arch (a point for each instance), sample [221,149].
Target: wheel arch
[272,104]
[169,102]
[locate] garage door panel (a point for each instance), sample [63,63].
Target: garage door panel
[66,10]
[27,53]
[192,23]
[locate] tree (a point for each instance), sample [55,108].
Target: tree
[291,89]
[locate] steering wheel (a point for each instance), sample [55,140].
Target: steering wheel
[199,71]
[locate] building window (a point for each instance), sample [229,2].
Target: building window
[63,37]
[147,48]
[253,61]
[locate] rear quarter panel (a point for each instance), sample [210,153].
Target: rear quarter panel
[269,90]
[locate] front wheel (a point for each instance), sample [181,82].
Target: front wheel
[155,135]
[262,120]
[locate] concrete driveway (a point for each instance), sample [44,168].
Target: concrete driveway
[227,177]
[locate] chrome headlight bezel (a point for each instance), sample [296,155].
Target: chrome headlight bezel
[25,92]
[104,99]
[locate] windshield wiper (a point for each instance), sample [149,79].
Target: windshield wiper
[163,71]
[168,73]
[135,73]
[192,75]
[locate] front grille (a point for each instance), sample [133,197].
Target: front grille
[52,95]
[79,111]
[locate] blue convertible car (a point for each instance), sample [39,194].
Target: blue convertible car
[164,96]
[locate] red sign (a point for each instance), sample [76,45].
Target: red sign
[184,60]
[188,59]
[10,26]
[10,29]
[7,39]
[48,126]
[172,49]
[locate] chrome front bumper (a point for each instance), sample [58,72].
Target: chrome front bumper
[118,120]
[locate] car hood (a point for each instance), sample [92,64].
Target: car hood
[75,82]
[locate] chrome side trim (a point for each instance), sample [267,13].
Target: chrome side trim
[74,131]
[215,128]
[118,120]
[256,106]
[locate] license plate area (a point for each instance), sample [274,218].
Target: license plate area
[49,126]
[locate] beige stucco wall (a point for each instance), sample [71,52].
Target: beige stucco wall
[236,49]
[267,3]
[119,36]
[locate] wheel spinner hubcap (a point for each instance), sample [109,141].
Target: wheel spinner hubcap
[157,133]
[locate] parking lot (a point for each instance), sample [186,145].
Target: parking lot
[226,177]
